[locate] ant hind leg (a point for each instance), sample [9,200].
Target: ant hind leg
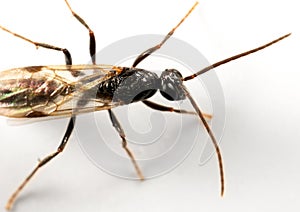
[42,162]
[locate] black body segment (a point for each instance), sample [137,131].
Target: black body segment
[131,85]
[171,85]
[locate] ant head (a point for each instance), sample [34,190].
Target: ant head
[171,85]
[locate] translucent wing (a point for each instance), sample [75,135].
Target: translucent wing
[40,91]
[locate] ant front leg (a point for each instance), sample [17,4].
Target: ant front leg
[163,108]
[151,50]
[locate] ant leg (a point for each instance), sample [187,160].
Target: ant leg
[67,54]
[91,33]
[68,60]
[112,116]
[42,162]
[119,129]
[149,51]
[163,108]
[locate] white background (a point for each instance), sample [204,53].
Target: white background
[261,140]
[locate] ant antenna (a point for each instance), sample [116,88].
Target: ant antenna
[211,135]
[233,58]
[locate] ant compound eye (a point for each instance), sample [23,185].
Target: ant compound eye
[171,85]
